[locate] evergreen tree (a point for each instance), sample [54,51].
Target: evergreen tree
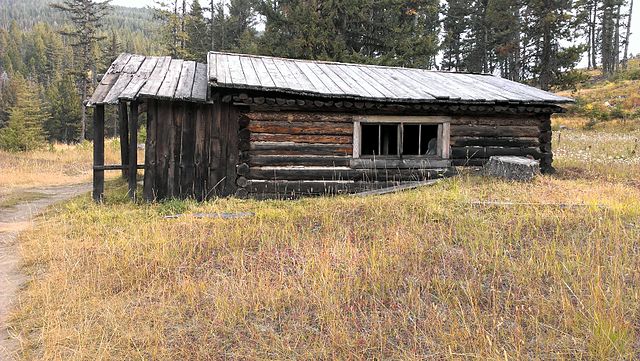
[24,129]
[197,44]
[64,108]
[86,16]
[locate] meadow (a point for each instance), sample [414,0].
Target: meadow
[471,268]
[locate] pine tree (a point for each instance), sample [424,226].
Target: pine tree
[86,16]
[64,108]
[197,45]
[24,129]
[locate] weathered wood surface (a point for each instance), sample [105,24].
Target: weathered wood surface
[310,128]
[133,150]
[98,153]
[336,174]
[367,82]
[301,138]
[132,77]
[123,124]
[291,148]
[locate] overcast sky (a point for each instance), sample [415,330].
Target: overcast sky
[634,43]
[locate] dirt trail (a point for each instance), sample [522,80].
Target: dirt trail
[13,221]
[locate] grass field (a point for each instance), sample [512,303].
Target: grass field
[469,268]
[59,165]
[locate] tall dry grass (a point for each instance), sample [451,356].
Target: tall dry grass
[57,165]
[432,273]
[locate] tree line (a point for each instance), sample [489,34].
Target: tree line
[534,41]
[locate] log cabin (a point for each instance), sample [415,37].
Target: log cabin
[266,127]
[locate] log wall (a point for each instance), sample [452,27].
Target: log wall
[476,138]
[191,150]
[293,153]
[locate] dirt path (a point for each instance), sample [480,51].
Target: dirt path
[13,221]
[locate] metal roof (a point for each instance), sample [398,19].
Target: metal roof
[136,76]
[367,82]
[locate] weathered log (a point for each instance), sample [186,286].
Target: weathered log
[512,168]
[284,127]
[242,182]
[326,174]
[288,160]
[290,148]
[242,169]
[494,131]
[300,138]
[496,142]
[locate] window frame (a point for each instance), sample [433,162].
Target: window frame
[443,139]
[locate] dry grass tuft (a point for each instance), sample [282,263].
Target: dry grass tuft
[428,273]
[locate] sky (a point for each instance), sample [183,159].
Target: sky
[634,43]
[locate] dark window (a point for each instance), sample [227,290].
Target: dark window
[379,139]
[382,139]
[420,139]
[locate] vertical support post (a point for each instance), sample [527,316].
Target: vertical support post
[124,137]
[98,153]
[133,149]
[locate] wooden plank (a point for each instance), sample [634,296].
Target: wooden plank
[332,77]
[303,83]
[185,83]
[201,155]
[200,84]
[320,128]
[300,138]
[397,188]
[118,87]
[164,123]
[262,72]
[330,85]
[133,64]
[103,89]
[170,83]
[445,140]
[120,63]
[231,141]
[355,87]
[374,82]
[175,147]
[421,119]
[212,67]
[305,160]
[151,87]
[250,75]
[290,79]
[133,150]
[150,163]
[316,82]
[290,148]
[363,80]
[187,152]
[98,153]
[276,76]
[235,69]
[222,69]
[494,131]
[139,79]
[393,85]
[123,121]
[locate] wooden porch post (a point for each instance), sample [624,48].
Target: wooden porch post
[124,137]
[98,153]
[133,149]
